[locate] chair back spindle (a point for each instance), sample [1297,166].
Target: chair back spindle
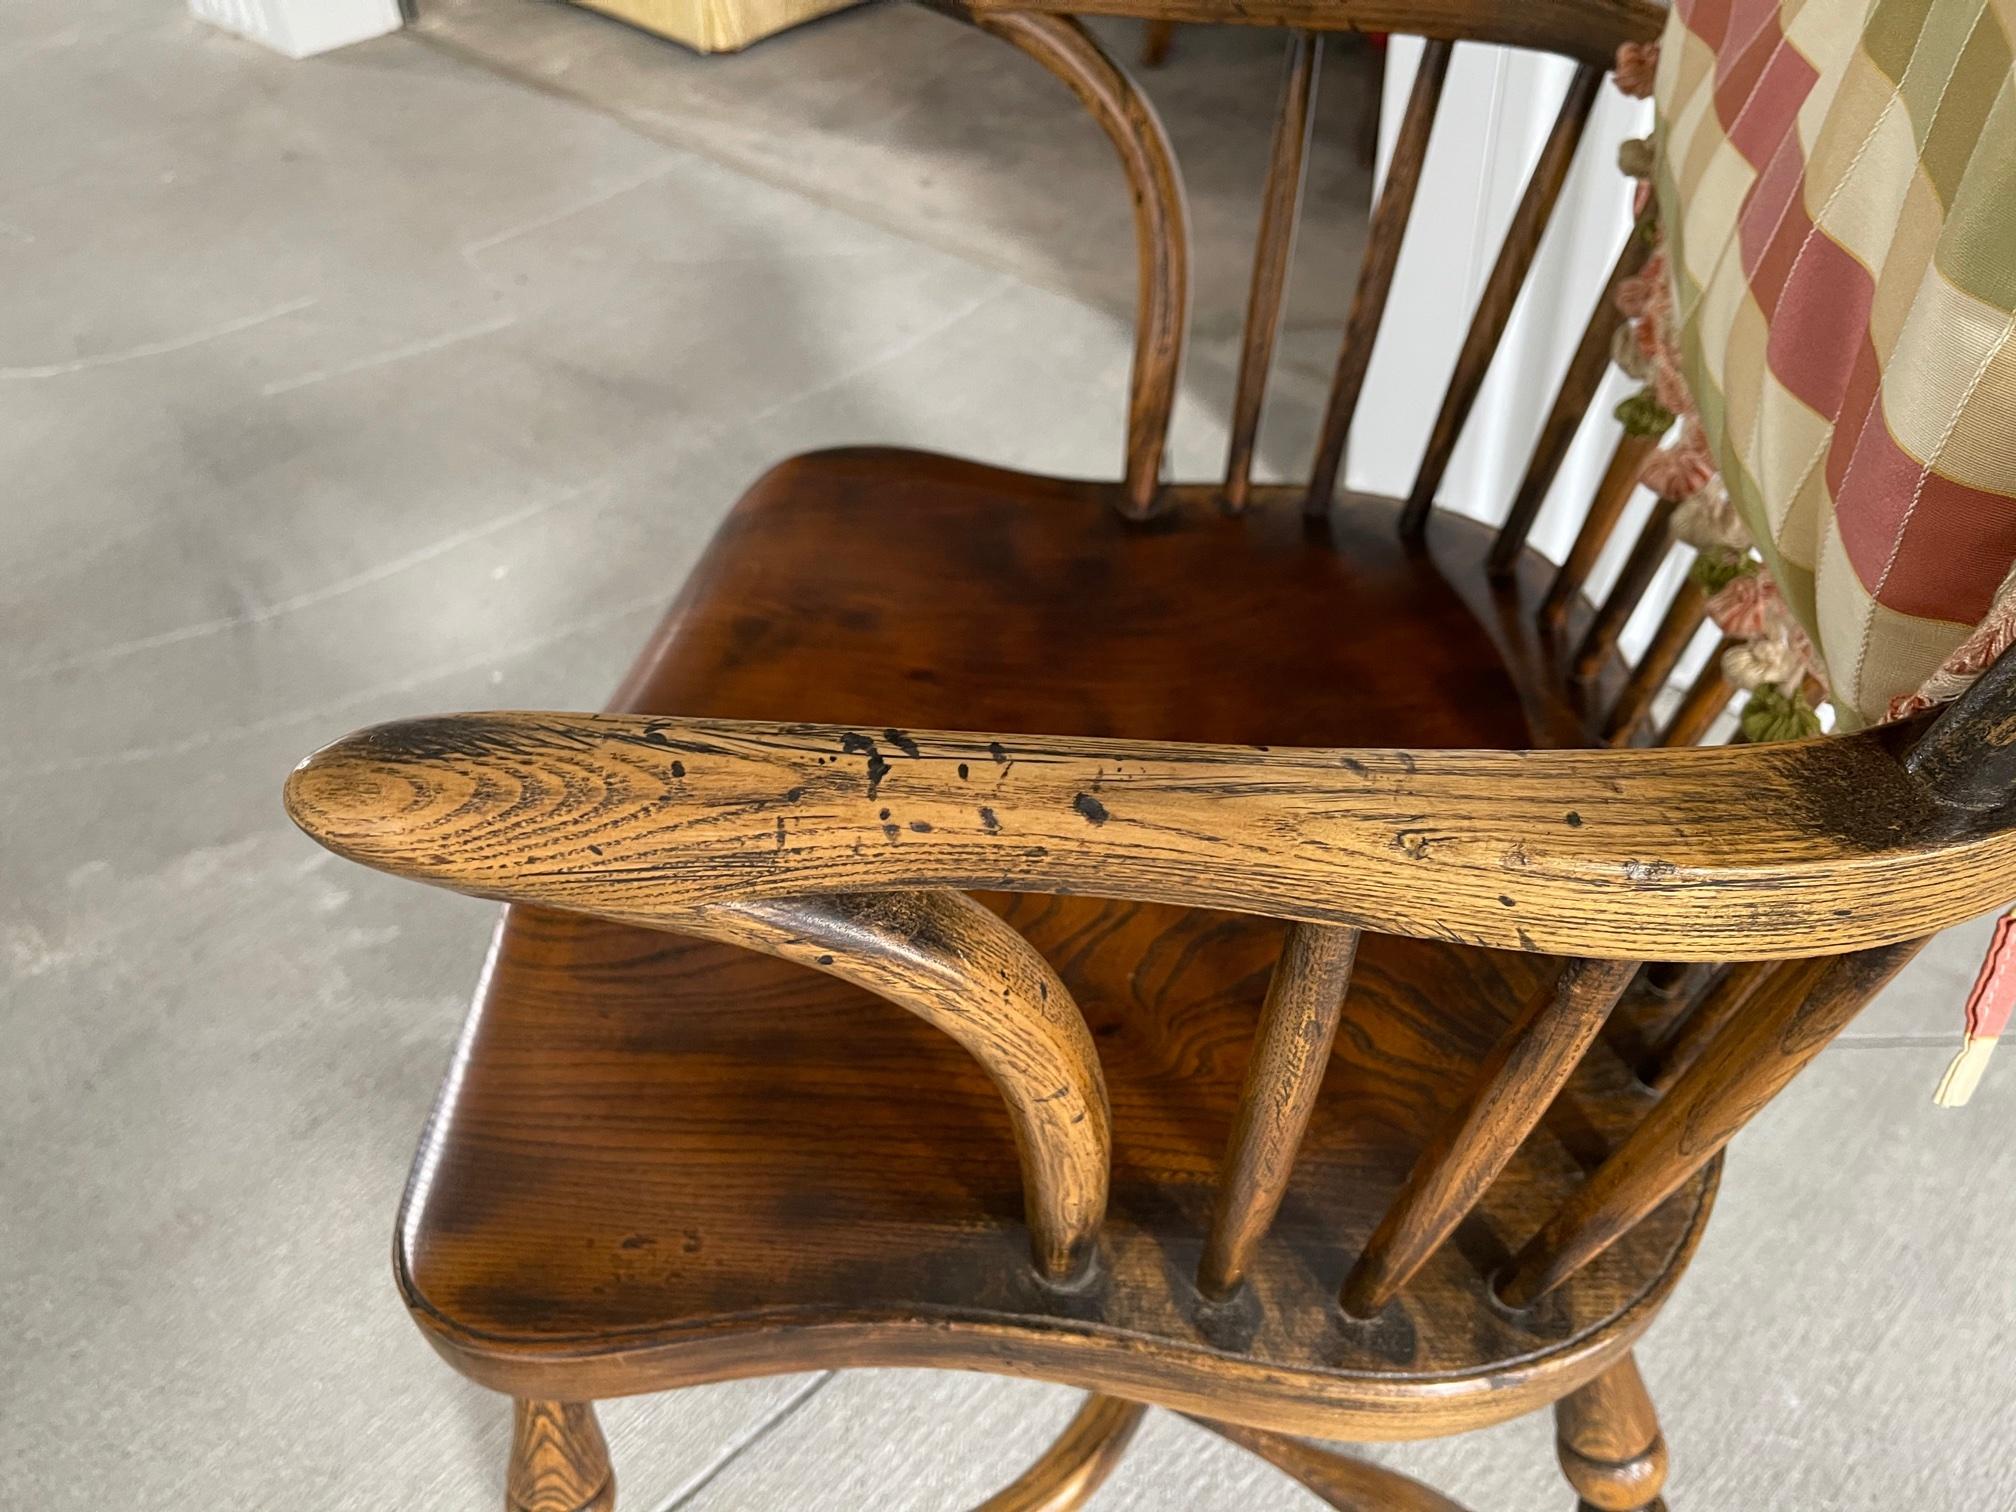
[1578,387]
[1280,207]
[1515,1086]
[1291,1050]
[1770,1039]
[1501,292]
[1383,240]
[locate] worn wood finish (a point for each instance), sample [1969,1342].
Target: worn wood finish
[1280,204]
[960,969]
[730,1101]
[1685,615]
[1516,1085]
[1291,1052]
[1608,1439]
[1648,554]
[1723,853]
[1703,702]
[1383,239]
[1767,1043]
[1501,292]
[1073,1469]
[1587,30]
[559,1460]
[1338,1480]
[1586,370]
[1161,224]
[1967,759]
[662,1161]
[1618,483]
[665,1160]
[1722,1001]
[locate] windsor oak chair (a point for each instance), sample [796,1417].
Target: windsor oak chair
[1232,891]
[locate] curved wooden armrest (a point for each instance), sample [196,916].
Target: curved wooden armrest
[968,973]
[1717,854]
[1587,30]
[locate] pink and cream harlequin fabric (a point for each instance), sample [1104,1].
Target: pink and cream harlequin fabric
[1837,187]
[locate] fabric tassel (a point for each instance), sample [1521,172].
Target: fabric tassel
[1988,1008]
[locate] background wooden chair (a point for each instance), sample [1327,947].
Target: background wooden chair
[1293,903]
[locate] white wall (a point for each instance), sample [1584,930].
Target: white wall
[1496,111]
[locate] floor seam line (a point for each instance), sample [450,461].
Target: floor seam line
[685,1494]
[677,141]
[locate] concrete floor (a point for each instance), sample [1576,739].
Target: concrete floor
[412,378]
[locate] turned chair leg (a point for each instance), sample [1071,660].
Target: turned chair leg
[559,1460]
[1610,1445]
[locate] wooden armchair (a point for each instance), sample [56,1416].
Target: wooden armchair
[1354,782]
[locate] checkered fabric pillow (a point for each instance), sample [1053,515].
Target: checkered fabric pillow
[1837,186]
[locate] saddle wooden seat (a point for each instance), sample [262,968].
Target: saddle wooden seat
[1353,1012]
[666,1160]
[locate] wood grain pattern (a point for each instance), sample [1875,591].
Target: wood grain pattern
[1338,1480]
[1587,30]
[1586,370]
[1073,1469]
[1728,853]
[1161,223]
[1383,240]
[1501,292]
[662,1161]
[1291,1052]
[1280,204]
[559,1460]
[730,1100]
[1608,1440]
[1769,1041]
[1516,1085]
[960,969]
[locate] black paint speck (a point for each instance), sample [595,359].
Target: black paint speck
[1353,764]
[883,815]
[892,831]
[998,752]
[1574,820]
[962,771]
[902,743]
[678,769]
[596,849]
[856,744]
[1506,901]
[825,960]
[1093,810]
[920,826]
[988,822]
